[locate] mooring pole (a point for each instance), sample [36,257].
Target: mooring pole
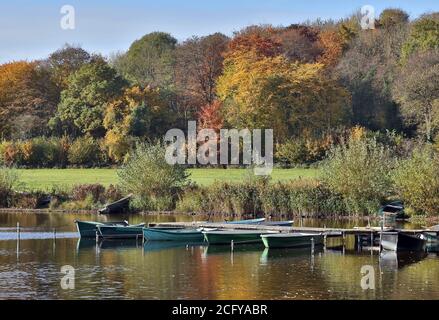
[312,246]
[18,230]
[231,245]
[54,234]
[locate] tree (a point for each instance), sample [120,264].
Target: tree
[416,88]
[424,35]
[65,61]
[149,60]
[199,63]
[300,43]
[332,46]
[83,102]
[210,117]
[390,18]
[26,92]
[272,92]
[368,69]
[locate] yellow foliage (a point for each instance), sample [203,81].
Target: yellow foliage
[357,133]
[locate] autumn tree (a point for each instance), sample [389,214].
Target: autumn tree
[199,63]
[149,60]
[416,88]
[210,116]
[28,99]
[83,102]
[332,47]
[300,43]
[272,92]
[138,112]
[65,61]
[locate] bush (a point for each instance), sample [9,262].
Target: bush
[359,171]
[95,191]
[85,151]
[417,181]
[154,183]
[8,182]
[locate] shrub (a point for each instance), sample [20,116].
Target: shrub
[417,181]
[153,181]
[85,151]
[95,191]
[9,180]
[359,171]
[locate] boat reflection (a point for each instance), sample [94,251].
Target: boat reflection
[288,253]
[394,261]
[218,249]
[164,245]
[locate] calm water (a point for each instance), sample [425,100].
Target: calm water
[31,269]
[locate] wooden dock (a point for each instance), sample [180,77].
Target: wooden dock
[329,232]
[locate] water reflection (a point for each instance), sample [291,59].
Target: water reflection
[172,270]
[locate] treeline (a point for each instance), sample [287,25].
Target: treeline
[308,82]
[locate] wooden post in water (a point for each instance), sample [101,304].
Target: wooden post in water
[54,234]
[18,230]
[231,245]
[312,246]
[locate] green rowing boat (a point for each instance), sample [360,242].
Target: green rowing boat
[237,236]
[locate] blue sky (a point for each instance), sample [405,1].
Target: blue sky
[31,29]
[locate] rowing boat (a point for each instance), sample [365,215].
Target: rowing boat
[173,234]
[398,241]
[237,236]
[87,229]
[291,240]
[120,232]
[248,221]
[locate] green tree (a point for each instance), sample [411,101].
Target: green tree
[390,18]
[424,35]
[83,102]
[149,60]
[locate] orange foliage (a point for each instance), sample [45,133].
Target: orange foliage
[209,117]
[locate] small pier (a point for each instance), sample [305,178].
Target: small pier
[329,232]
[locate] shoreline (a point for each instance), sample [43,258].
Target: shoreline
[415,219]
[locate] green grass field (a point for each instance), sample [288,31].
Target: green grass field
[44,179]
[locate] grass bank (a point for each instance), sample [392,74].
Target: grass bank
[45,179]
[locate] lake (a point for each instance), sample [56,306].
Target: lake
[31,268]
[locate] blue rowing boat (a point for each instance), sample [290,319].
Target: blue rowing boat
[173,234]
[87,229]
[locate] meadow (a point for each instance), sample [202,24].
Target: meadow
[45,179]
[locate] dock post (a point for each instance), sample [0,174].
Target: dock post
[18,230]
[231,245]
[324,239]
[312,246]
[54,233]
